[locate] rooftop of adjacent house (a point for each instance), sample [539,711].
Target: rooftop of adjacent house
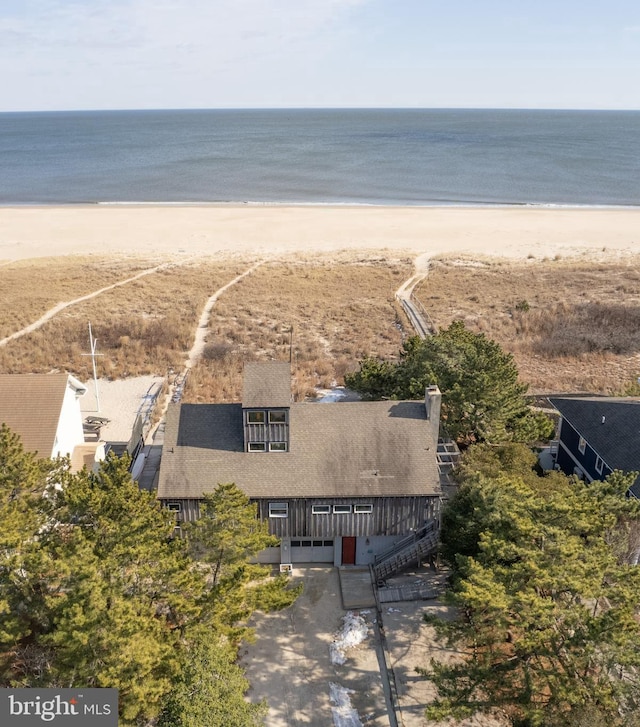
[611,426]
[347,449]
[266,384]
[30,405]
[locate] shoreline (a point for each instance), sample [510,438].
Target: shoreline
[265,229]
[313,205]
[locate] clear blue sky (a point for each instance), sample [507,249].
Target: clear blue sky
[110,54]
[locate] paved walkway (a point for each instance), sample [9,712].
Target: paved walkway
[356,587]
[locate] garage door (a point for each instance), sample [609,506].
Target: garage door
[312,551]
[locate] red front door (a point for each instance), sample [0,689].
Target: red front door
[348,551]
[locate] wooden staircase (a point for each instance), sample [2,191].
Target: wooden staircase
[410,550]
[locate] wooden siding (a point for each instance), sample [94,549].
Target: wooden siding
[390,516]
[189,509]
[267,432]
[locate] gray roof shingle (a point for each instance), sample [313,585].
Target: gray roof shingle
[352,449]
[611,426]
[266,384]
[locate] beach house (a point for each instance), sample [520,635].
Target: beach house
[337,483]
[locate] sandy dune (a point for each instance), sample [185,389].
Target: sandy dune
[28,232]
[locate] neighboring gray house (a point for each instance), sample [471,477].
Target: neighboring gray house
[598,435]
[338,483]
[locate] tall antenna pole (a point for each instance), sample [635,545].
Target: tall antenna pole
[93,342]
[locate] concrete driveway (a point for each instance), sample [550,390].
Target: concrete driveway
[290,665]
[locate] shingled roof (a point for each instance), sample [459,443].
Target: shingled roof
[266,384]
[352,449]
[30,405]
[611,426]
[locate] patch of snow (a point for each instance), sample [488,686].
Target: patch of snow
[334,394]
[344,715]
[329,396]
[353,632]
[394,610]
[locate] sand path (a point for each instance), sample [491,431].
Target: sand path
[67,304]
[175,389]
[200,339]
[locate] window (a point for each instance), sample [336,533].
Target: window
[277,446]
[582,445]
[363,509]
[317,543]
[278,509]
[599,465]
[255,417]
[176,509]
[277,417]
[342,509]
[328,543]
[321,509]
[257,447]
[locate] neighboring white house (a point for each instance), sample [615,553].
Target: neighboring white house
[44,409]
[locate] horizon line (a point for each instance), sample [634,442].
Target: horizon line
[318,108]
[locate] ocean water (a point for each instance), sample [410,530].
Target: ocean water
[396,157]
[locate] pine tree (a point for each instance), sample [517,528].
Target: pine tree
[210,691]
[126,590]
[548,608]
[227,537]
[482,398]
[25,487]
[96,592]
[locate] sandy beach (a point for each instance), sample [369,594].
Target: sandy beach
[201,230]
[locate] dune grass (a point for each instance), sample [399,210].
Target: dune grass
[29,288]
[144,327]
[571,325]
[325,313]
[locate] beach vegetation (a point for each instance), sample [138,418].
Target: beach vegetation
[483,399]
[95,589]
[581,331]
[546,596]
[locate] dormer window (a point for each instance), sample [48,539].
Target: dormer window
[266,402]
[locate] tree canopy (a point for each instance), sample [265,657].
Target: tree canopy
[95,591]
[482,398]
[548,603]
